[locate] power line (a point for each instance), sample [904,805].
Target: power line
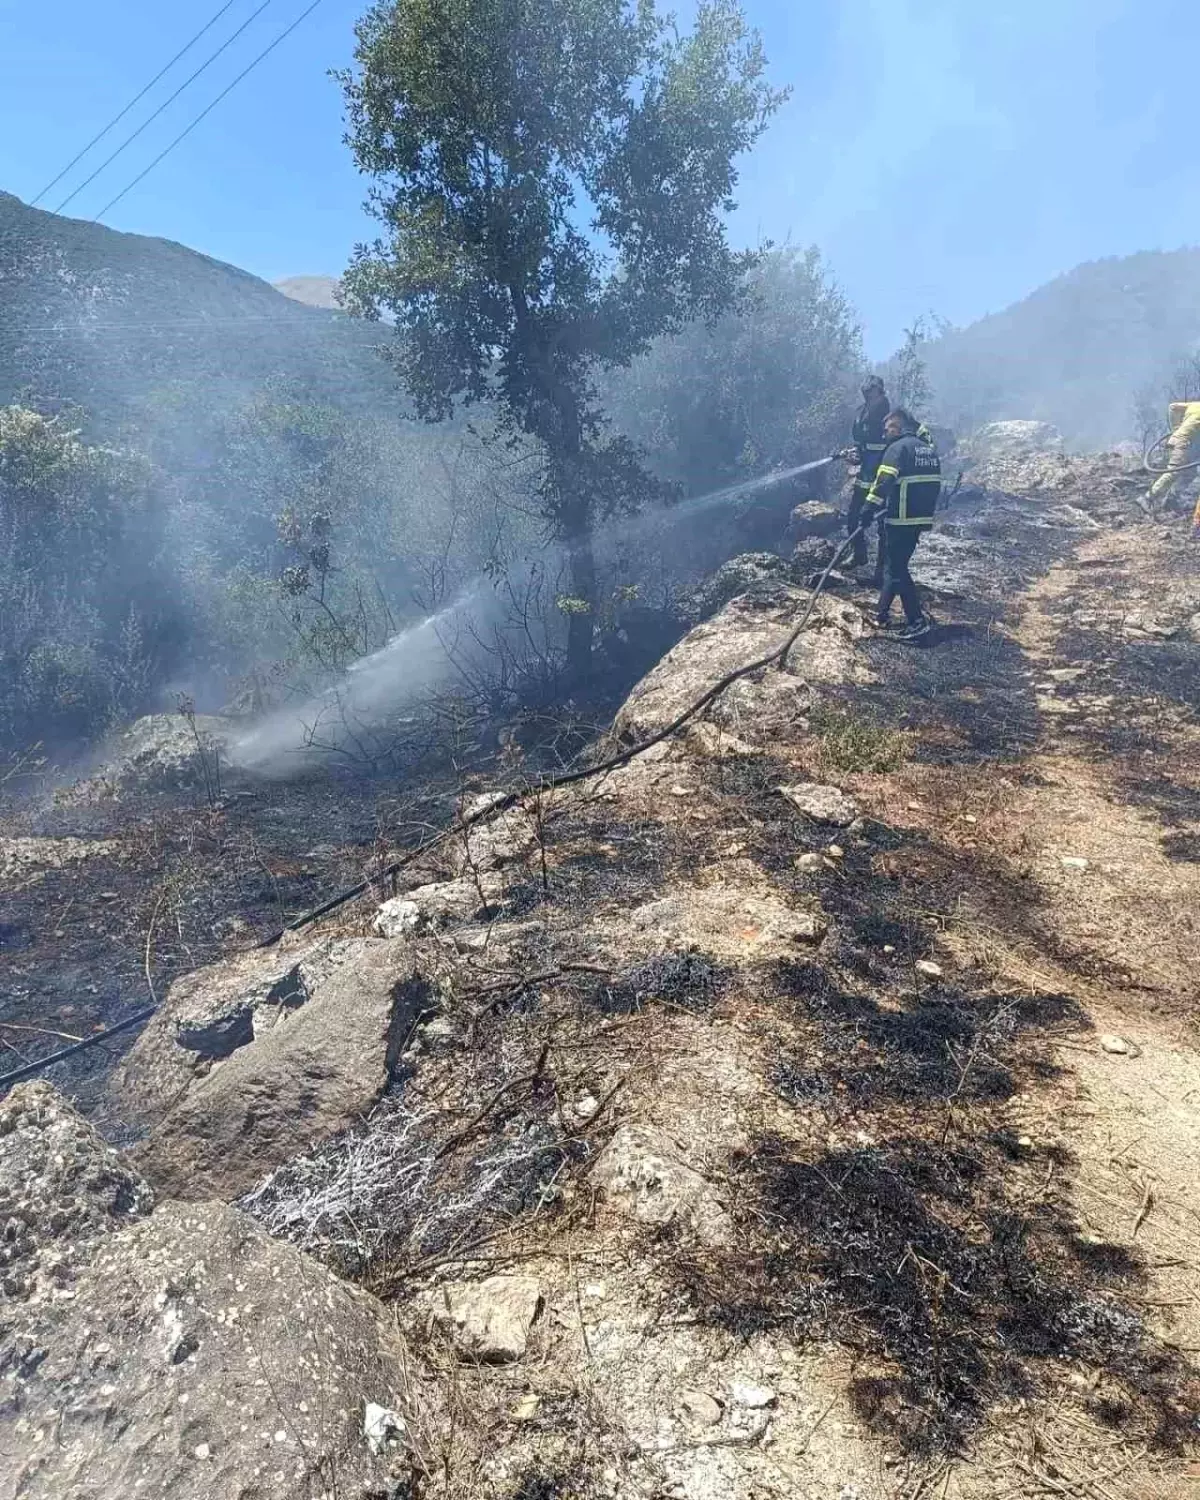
[187,82]
[283,35]
[137,98]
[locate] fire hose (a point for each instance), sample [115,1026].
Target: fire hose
[1148,455]
[774,658]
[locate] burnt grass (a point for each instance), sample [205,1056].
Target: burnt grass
[929,1240]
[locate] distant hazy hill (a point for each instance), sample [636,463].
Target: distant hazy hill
[1077,352]
[313,291]
[124,325]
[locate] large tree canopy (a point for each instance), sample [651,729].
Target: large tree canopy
[553,175]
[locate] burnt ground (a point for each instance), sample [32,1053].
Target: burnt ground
[962,1234]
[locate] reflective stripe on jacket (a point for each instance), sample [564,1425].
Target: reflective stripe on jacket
[908,482]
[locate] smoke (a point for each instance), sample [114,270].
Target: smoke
[460,643]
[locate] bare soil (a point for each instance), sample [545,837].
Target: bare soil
[953,1144]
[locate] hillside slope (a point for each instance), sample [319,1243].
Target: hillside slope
[122,324]
[1076,352]
[806,1108]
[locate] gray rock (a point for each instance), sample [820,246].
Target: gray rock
[755,1397]
[757,709]
[641,1173]
[61,1189]
[198,1358]
[740,575]
[490,1320]
[817,518]
[1015,439]
[704,1409]
[397,918]
[823,804]
[217,1125]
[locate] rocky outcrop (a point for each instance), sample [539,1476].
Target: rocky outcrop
[1009,440]
[746,629]
[61,1189]
[642,1173]
[746,573]
[254,1059]
[179,1353]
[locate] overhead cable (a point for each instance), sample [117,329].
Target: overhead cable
[137,99]
[186,84]
[183,134]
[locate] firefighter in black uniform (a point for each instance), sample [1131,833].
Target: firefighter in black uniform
[869,444]
[904,493]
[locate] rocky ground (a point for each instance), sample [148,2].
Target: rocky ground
[807,1108]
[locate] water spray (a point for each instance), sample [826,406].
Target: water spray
[419,658]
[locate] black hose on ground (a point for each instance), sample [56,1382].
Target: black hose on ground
[1171,468]
[30,1070]
[503,804]
[777,657]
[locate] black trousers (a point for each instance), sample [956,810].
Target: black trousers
[858,553]
[900,542]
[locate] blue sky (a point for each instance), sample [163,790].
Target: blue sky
[947,155]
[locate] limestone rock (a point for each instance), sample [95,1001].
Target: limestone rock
[162,752]
[61,1189]
[817,518]
[324,1032]
[1015,439]
[725,921]
[642,1175]
[740,575]
[755,1397]
[1117,1045]
[704,1409]
[443,904]
[769,705]
[491,1320]
[397,918]
[495,842]
[823,804]
[198,1358]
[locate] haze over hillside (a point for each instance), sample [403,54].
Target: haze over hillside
[313,291]
[119,322]
[1078,351]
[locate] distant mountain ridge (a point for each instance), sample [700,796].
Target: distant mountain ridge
[119,323]
[1077,352]
[313,291]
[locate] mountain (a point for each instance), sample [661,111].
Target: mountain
[123,324]
[1078,352]
[313,291]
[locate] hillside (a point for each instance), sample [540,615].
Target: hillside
[122,324]
[806,1107]
[1077,352]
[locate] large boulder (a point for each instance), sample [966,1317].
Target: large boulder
[199,1358]
[252,1060]
[169,752]
[61,1189]
[749,573]
[770,703]
[179,1353]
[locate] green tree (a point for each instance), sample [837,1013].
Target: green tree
[84,617]
[770,383]
[552,175]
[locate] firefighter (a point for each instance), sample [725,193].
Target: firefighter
[905,492]
[1183,447]
[869,443]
